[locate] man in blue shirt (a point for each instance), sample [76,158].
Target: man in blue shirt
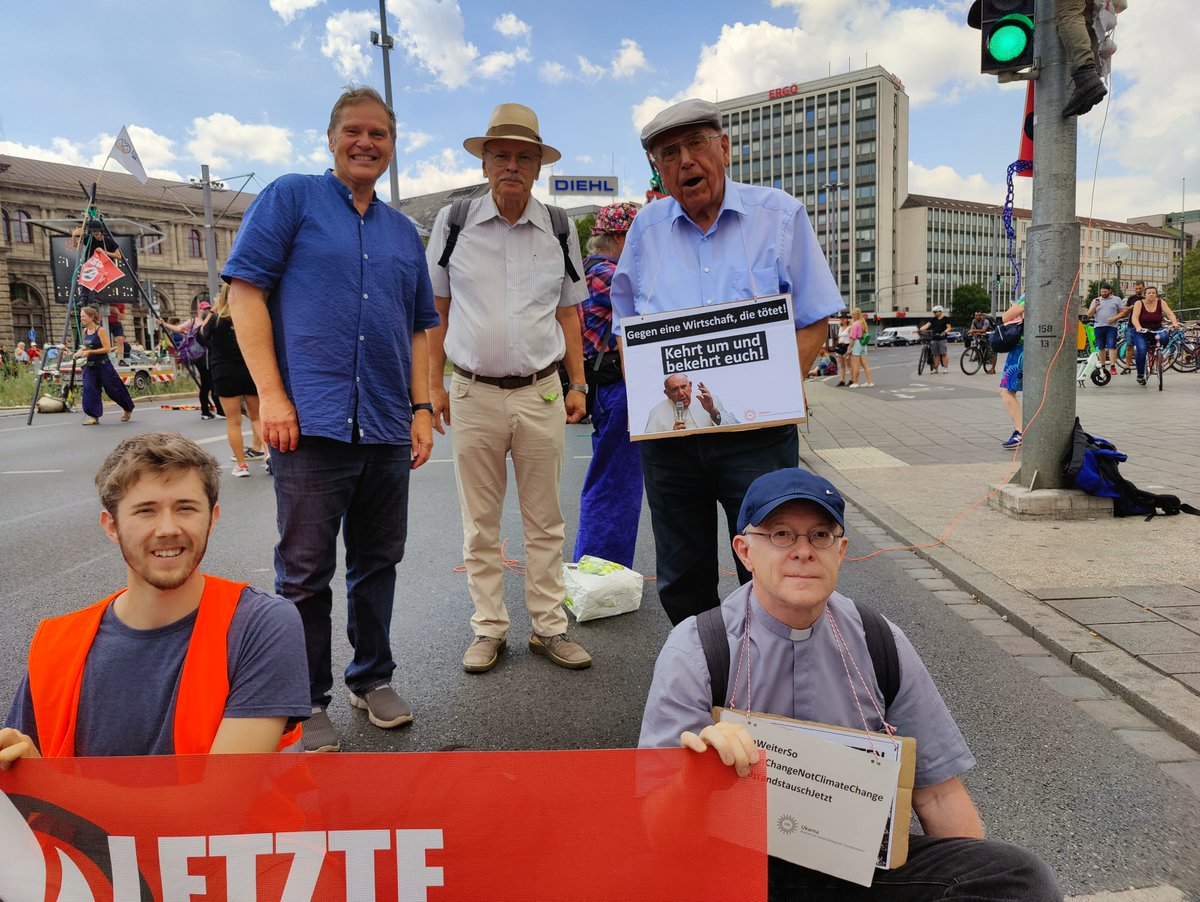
[330,298]
[714,240]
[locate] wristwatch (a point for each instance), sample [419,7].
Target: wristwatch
[576,387]
[423,406]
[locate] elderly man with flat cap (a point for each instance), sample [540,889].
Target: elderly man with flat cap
[505,271]
[714,240]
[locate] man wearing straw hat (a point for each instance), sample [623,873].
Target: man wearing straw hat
[505,280]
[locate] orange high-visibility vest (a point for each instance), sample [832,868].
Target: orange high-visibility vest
[60,648]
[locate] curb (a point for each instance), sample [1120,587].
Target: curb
[1165,701]
[141,399]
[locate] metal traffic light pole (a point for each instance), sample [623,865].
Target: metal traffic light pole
[1052,261]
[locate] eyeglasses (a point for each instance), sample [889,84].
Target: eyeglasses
[524,160]
[784,538]
[695,144]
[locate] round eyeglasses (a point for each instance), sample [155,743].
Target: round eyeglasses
[784,538]
[694,144]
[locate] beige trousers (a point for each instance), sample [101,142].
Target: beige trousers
[490,423]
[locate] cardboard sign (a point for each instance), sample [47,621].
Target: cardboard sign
[720,368]
[356,828]
[838,800]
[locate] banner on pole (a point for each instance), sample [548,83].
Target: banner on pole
[99,271]
[524,826]
[124,153]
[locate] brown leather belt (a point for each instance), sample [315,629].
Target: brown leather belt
[509,382]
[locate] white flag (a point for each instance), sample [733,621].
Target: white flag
[124,154]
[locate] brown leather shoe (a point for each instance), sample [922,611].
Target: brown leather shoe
[482,654]
[561,650]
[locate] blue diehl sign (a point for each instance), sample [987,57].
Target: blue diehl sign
[580,184]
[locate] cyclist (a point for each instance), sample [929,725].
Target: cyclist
[938,327]
[1147,317]
[977,331]
[1104,310]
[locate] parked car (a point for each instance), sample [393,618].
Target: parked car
[142,369]
[897,335]
[954,335]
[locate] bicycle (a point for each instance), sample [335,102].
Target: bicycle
[926,358]
[1087,357]
[1182,353]
[978,353]
[1156,358]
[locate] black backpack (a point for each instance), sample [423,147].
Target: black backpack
[558,221]
[881,645]
[1093,464]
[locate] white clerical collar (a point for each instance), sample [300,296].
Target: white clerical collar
[801,635]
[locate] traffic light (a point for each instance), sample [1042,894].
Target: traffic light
[1006,28]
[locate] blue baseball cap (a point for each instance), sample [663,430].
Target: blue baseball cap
[793,484]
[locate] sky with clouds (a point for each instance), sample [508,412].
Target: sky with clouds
[246,85]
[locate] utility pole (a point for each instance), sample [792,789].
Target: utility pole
[1053,259]
[384,41]
[210,235]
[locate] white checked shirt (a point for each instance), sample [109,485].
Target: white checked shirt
[504,283]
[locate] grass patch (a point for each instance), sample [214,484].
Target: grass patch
[16,387]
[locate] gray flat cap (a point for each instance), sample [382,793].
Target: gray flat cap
[686,112]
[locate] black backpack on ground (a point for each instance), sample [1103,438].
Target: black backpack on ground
[881,645]
[558,221]
[1093,464]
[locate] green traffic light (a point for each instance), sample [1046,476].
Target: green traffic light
[1010,38]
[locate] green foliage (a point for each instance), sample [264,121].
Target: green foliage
[583,228]
[1093,289]
[965,300]
[1191,281]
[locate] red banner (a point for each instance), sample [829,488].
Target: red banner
[596,825]
[98,272]
[1025,152]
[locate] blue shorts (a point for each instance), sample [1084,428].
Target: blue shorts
[1106,337]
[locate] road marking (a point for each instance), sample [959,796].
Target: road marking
[1151,894]
[859,458]
[26,472]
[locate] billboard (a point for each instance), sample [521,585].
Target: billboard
[62,265]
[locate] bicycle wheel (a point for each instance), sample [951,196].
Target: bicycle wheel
[970,360]
[921,361]
[1185,358]
[1101,375]
[989,361]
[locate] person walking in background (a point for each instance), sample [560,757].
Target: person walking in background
[198,366]
[860,337]
[611,501]
[1104,310]
[232,384]
[98,371]
[1011,380]
[842,349]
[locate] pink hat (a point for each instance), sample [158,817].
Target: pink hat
[614,218]
[204,305]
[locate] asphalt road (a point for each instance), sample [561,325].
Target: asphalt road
[1048,777]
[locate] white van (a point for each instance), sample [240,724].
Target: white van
[897,335]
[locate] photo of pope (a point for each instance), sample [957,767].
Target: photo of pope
[677,412]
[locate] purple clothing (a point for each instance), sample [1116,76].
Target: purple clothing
[596,312]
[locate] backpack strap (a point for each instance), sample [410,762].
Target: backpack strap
[881,644]
[562,228]
[711,625]
[458,216]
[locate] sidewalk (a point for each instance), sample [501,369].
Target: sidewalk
[1116,599]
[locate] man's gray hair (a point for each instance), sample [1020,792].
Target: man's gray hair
[352,96]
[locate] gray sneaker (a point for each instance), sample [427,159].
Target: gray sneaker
[483,653]
[384,707]
[319,734]
[561,650]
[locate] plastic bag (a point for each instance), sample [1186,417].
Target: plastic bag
[598,588]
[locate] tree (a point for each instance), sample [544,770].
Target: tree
[965,300]
[1191,282]
[1093,289]
[583,228]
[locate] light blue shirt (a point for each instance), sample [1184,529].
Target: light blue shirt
[761,243]
[800,674]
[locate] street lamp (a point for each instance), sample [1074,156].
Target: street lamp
[383,41]
[833,198]
[1118,253]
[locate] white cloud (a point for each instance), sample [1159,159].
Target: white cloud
[553,73]
[584,158]
[629,60]
[155,150]
[61,150]
[439,173]
[346,41]
[289,9]
[432,31]
[511,27]
[220,137]
[412,140]
[944,181]
[501,62]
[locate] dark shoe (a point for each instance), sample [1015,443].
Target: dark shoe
[251,454]
[1141,380]
[841,385]
[1089,91]
[561,650]
[384,707]
[206,416]
[482,654]
[319,734]
[1014,441]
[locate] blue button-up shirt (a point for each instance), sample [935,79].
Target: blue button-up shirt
[345,293]
[760,243]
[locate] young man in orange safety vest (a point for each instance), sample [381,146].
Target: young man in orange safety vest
[177,662]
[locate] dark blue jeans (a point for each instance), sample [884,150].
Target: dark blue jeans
[963,869]
[321,487]
[686,478]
